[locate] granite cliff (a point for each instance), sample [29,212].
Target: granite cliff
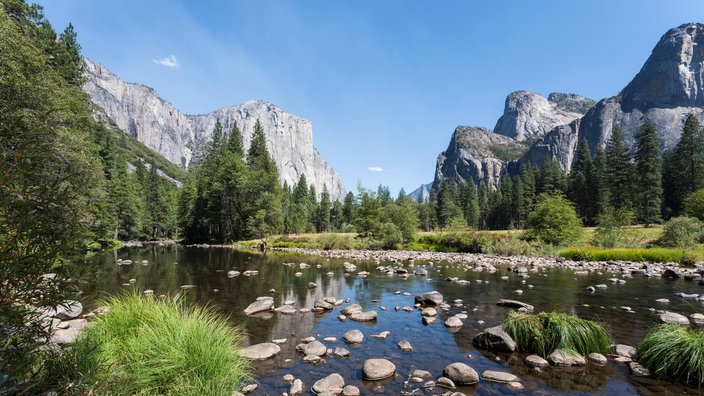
[139,111]
[668,87]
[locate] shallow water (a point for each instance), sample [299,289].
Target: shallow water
[170,267]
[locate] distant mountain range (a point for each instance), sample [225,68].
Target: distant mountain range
[669,86]
[139,111]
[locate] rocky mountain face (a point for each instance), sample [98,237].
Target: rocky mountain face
[421,194]
[139,111]
[668,88]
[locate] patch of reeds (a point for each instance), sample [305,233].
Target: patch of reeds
[544,332]
[662,255]
[674,351]
[147,345]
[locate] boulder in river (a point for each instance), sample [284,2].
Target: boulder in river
[563,357]
[430,298]
[495,339]
[461,373]
[504,302]
[261,351]
[330,383]
[377,369]
[262,304]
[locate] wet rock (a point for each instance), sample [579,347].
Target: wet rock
[430,311]
[312,285]
[670,274]
[421,374]
[597,358]
[662,301]
[70,309]
[296,388]
[249,388]
[342,318]
[332,381]
[638,370]
[341,352]
[590,289]
[446,383]
[288,378]
[350,309]
[405,346]
[350,390]
[499,376]
[697,318]
[461,373]
[515,304]
[537,361]
[232,274]
[454,322]
[377,369]
[312,359]
[625,351]
[495,339]
[330,339]
[286,310]
[381,336]
[71,331]
[349,267]
[421,272]
[562,357]
[323,305]
[353,337]
[428,320]
[315,348]
[368,316]
[430,298]
[672,317]
[262,304]
[261,351]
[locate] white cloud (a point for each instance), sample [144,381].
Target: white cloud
[375,169]
[169,61]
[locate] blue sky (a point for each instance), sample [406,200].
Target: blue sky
[384,83]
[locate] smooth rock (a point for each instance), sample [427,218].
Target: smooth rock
[260,305]
[249,388]
[350,390]
[597,358]
[453,321]
[332,381]
[461,373]
[315,348]
[341,352]
[430,311]
[430,298]
[515,304]
[368,316]
[350,309]
[562,357]
[537,361]
[296,388]
[405,346]
[638,369]
[353,337]
[261,351]
[626,351]
[446,383]
[495,339]
[672,317]
[377,369]
[499,376]
[70,309]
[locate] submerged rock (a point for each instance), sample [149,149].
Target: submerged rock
[499,376]
[329,383]
[376,369]
[261,351]
[262,304]
[495,339]
[504,302]
[353,337]
[563,357]
[461,373]
[430,298]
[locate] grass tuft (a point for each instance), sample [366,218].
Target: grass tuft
[661,255]
[544,332]
[150,346]
[672,350]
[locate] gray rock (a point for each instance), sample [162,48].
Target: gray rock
[332,381]
[461,373]
[499,376]
[353,337]
[341,352]
[377,369]
[138,111]
[428,320]
[429,311]
[350,309]
[421,373]
[315,348]
[249,388]
[368,316]
[71,331]
[260,305]
[286,310]
[562,357]
[672,317]
[70,309]
[430,298]
[350,390]
[453,321]
[597,358]
[697,318]
[514,304]
[446,383]
[405,346]
[495,339]
[296,388]
[528,115]
[537,361]
[625,351]
[638,370]
[261,351]
[324,305]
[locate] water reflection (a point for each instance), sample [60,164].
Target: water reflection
[170,267]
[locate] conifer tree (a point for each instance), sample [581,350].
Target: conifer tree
[597,183]
[649,171]
[686,170]
[579,190]
[618,171]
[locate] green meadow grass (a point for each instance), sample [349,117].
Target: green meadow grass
[675,351]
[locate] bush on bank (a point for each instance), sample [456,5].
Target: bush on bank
[148,345]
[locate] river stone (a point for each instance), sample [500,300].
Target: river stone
[70,333]
[670,274]
[662,301]
[249,388]
[453,321]
[376,369]
[672,317]
[421,373]
[537,361]
[261,305]
[296,388]
[504,302]
[597,358]
[638,369]
[421,272]
[495,339]
[286,310]
[430,298]
[324,305]
[563,357]
[368,316]
[461,373]
[430,311]
[350,390]
[261,351]
[332,381]
[353,337]
[405,346]
[499,376]
[350,309]
[446,383]
[315,348]
[312,285]
[341,352]
[70,309]
[625,350]
[428,320]
[697,318]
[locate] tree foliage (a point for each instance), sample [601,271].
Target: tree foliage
[554,221]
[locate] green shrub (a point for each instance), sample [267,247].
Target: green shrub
[661,255]
[150,345]
[611,227]
[544,332]
[554,221]
[388,235]
[332,241]
[672,350]
[694,205]
[681,232]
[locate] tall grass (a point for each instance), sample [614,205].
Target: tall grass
[150,346]
[636,254]
[672,350]
[544,332]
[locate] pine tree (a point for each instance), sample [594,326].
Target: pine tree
[234,141]
[597,183]
[323,218]
[264,209]
[348,208]
[687,167]
[579,190]
[619,171]
[649,171]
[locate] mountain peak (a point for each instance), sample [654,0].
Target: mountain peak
[673,75]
